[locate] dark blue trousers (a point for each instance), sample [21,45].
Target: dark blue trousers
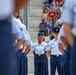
[7,52]
[46,66]
[24,64]
[55,62]
[19,62]
[65,66]
[40,64]
[73,59]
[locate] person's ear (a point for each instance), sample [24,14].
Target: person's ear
[20,3]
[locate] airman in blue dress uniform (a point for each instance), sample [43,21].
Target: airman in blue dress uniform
[39,50]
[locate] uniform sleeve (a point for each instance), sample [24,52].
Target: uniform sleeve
[24,28]
[28,43]
[67,15]
[62,32]
[59,40]
[24,35]
[16,30]
[32,43]
[45,47]
[18,36]
[49,46]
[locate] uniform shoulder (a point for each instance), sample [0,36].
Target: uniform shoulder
[22,25]
[51,40]
[15,20]
[45,43]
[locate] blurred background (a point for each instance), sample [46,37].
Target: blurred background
[33,14]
